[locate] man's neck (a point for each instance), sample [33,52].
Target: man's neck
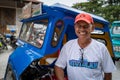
[84,43]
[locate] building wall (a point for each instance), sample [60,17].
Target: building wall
[18,23]
[10,16]
[7,17]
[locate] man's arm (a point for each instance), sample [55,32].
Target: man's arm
[59,73]
[107,76]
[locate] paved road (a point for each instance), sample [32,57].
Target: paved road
[3,60]
[4,57]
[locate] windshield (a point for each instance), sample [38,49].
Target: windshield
[34,32]
[116,30]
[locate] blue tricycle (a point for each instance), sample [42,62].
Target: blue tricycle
[41,38]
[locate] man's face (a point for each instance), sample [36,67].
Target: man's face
[83,29]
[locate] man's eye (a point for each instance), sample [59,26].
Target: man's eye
[85,26]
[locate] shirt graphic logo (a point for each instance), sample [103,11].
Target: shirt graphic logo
[83,63]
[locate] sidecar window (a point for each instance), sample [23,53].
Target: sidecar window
[34,32]
[98,29]
[57,32]
[25,31]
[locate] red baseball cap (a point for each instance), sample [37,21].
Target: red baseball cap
[84,17]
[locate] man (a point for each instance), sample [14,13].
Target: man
[84,57]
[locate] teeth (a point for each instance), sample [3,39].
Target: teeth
[82,33]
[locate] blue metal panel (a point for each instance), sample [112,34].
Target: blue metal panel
[21,58]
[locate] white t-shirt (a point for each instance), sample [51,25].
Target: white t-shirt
[96,60]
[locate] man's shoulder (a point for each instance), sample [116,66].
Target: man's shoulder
[72,41]
[98,43]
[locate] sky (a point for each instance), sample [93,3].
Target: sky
[65,2]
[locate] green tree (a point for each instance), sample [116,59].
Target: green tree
[108,9]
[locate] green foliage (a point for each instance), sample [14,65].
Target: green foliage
[110,9]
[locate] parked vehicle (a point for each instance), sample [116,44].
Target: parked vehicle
[13,41]
[7,37]
[3,45]
[41,38]
[115,34]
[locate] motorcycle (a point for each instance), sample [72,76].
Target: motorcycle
[13,41]
[3,44]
